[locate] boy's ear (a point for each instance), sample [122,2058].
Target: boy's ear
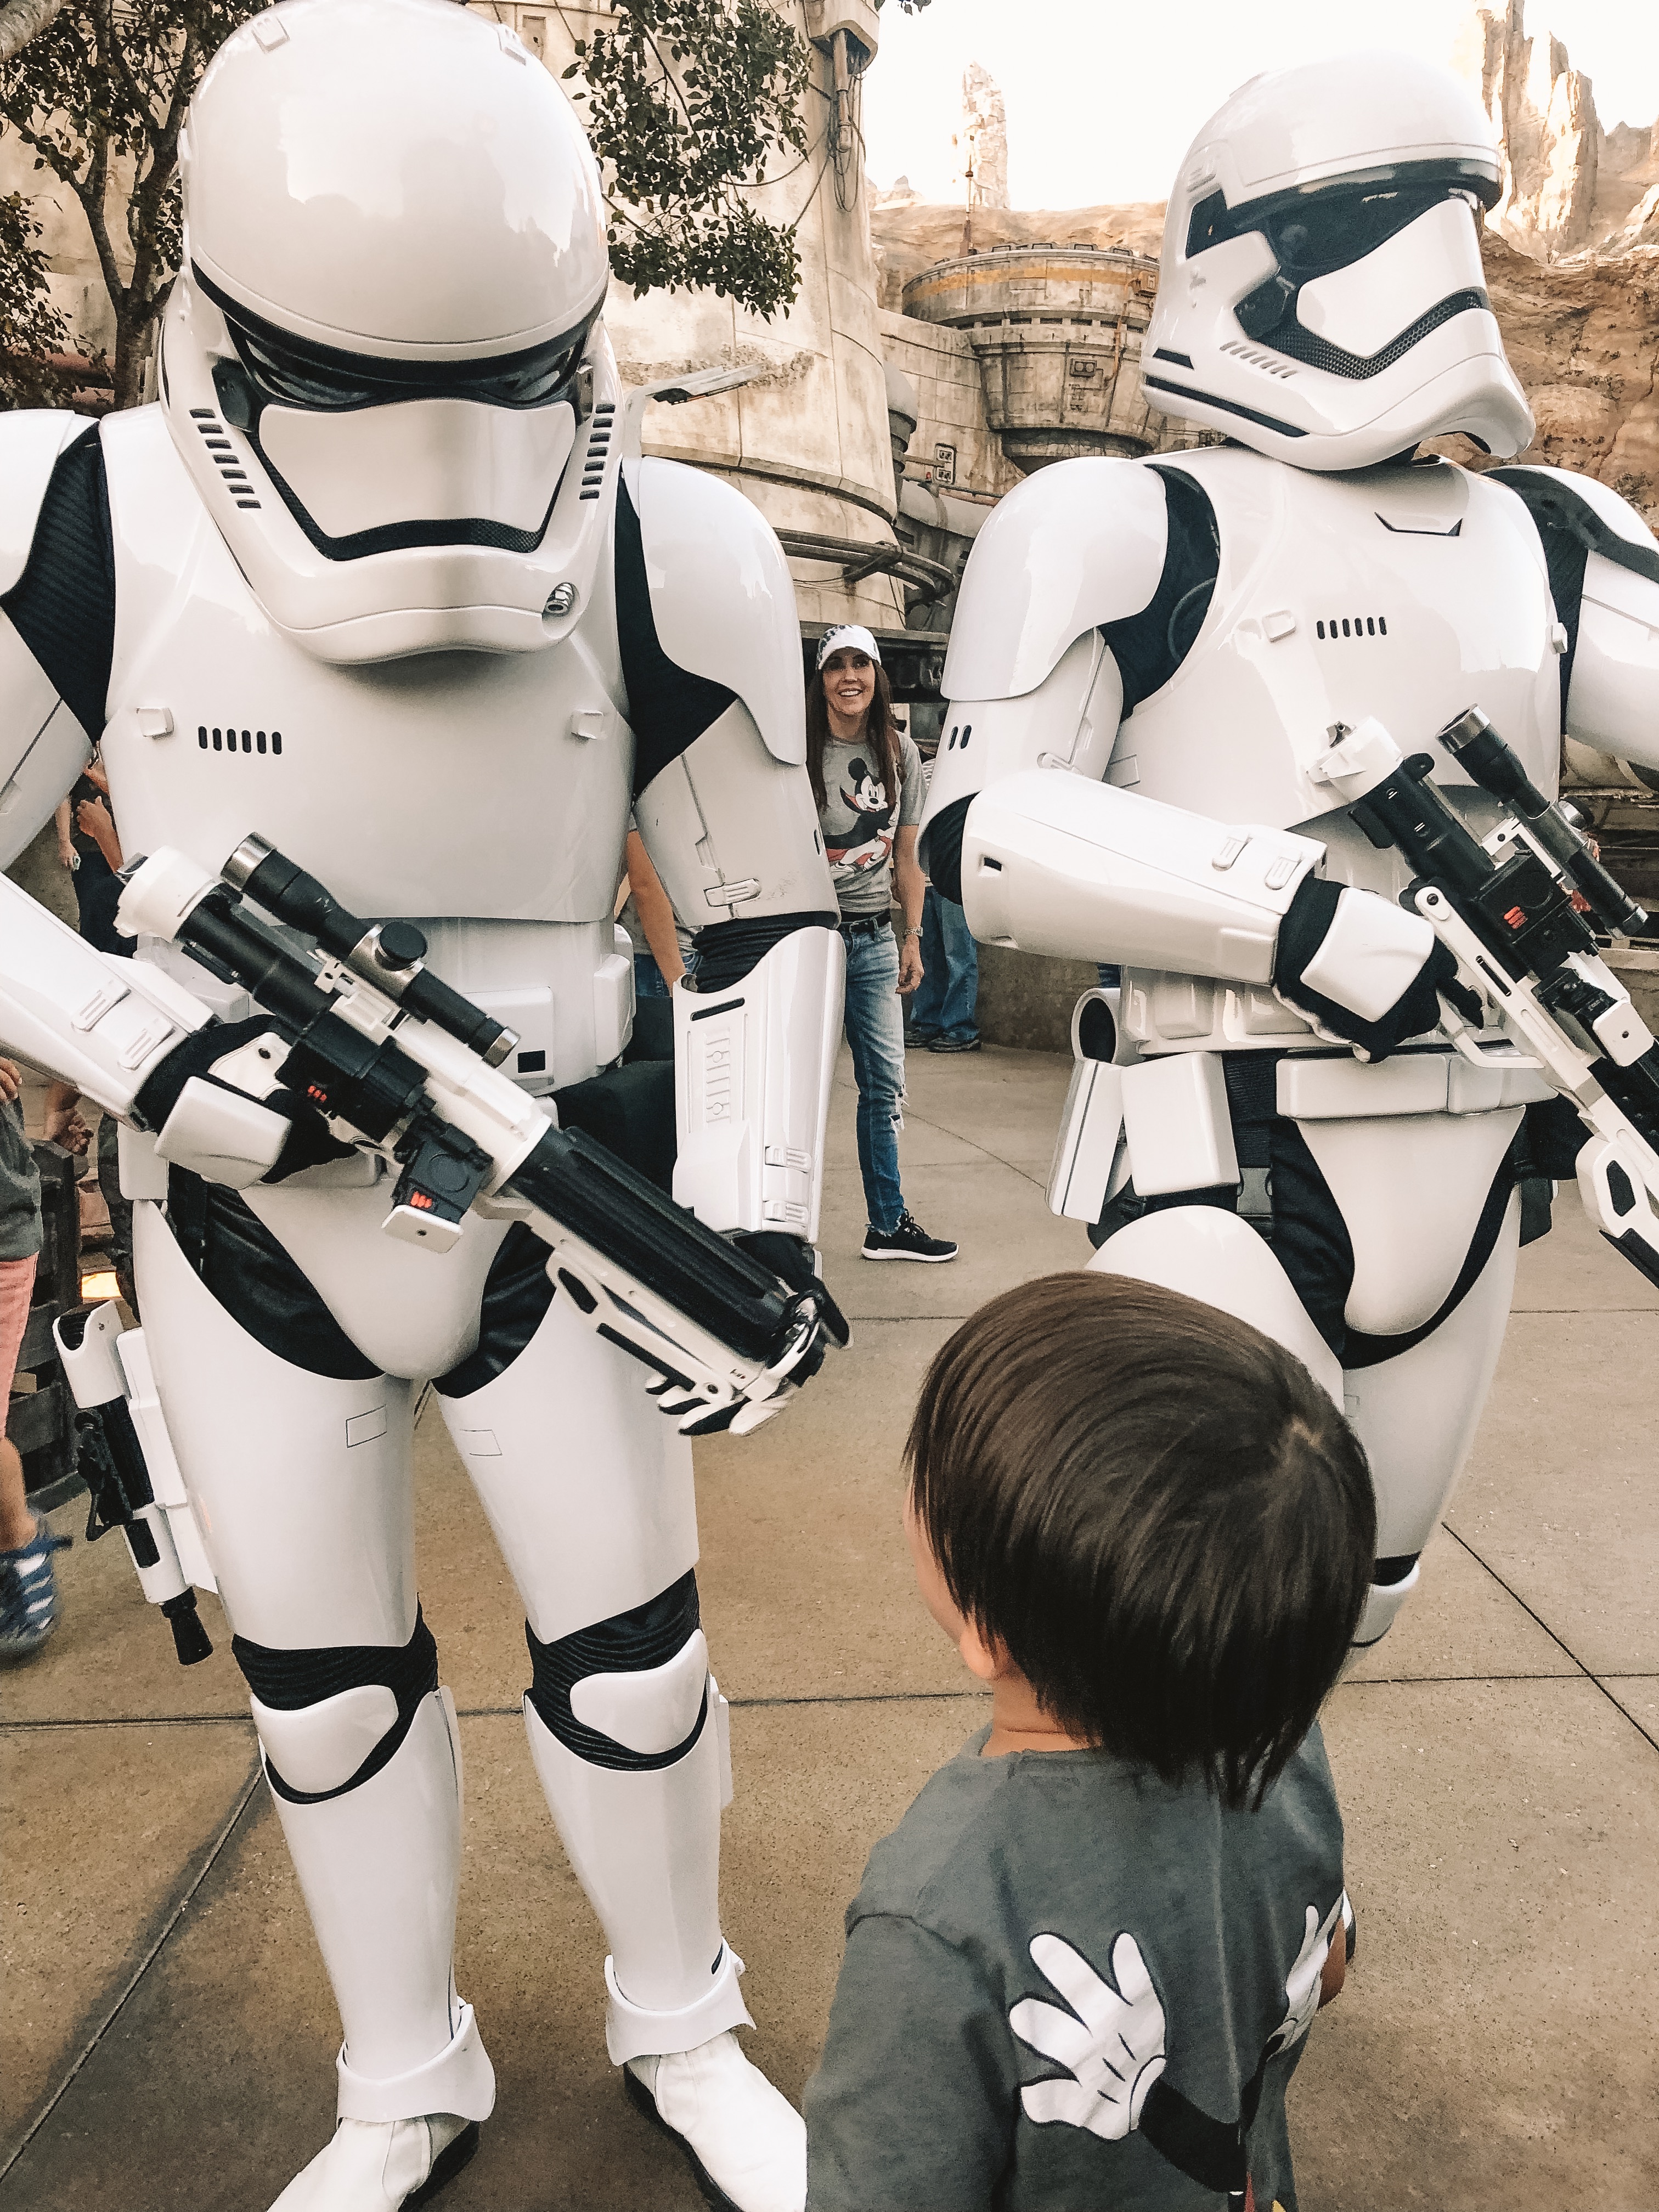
[988,1660]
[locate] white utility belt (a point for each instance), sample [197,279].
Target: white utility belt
[1166,1119]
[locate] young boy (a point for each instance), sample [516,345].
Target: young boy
[1080,1971]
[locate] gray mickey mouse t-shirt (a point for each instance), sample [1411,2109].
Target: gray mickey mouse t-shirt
[1067,1985]
[861,818]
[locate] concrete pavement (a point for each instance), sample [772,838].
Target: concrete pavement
[169,2033]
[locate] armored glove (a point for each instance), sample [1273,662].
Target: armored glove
[221,1113]
[793,1263]
[1361,970]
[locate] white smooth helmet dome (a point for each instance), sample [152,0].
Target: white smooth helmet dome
[384,345]
[392,177]
[1321,296]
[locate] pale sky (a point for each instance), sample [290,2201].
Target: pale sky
[1103,97]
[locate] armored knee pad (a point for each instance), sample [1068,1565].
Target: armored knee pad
[629,1693]
[330,1720]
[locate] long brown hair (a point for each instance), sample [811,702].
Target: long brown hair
[880,732]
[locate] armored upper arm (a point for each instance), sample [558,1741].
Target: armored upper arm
[57,614]
[1604,577]
[711,658]
[1047,654]
[712,662]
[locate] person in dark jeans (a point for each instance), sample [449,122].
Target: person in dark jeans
[867,778]
[942,1016]
[28,1593]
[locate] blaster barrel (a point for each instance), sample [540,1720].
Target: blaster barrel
[1405,810]
[605,1202]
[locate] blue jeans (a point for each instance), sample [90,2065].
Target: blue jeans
[875,1030]
[944,1004]
[648,979]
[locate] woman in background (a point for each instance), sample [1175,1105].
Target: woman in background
[867,778]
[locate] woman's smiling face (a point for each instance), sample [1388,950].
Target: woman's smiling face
[849,682]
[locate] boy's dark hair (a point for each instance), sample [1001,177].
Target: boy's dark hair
[1156,1511]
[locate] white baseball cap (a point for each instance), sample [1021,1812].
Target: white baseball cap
[850,637]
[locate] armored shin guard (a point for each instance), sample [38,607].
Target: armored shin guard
[624,1727]
[366,1782]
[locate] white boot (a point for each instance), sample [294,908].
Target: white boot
[382,2166]
[746,2141]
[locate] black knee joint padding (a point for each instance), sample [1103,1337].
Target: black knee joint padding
[1385,1573]
[288,1681]
[628,1643]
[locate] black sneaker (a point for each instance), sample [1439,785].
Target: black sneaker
[910,1241]
[953,1044]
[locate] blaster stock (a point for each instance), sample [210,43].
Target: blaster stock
[1513,909]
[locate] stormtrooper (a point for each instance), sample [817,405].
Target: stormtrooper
[381,597]
[1153,669]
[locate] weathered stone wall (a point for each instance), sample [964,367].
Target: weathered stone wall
[1025,1000]
[74,278]
[941,365]
[910,234]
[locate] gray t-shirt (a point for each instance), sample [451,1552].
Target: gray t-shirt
[1038,1932]
[860,822]
[20,1187]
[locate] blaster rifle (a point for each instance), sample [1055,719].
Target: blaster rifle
[1515,908]
[403,1066]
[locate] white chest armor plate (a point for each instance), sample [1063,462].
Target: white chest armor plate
[1406,594]
[490,788]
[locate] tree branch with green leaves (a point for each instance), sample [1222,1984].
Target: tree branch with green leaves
[100,94]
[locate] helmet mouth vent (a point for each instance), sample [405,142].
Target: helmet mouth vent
[1290,337]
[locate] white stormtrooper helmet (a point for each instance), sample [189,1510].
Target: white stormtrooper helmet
[394,261]
[1322,297]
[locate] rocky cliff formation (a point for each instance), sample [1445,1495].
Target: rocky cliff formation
[985,138]
[1570,185]
[1584,339]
